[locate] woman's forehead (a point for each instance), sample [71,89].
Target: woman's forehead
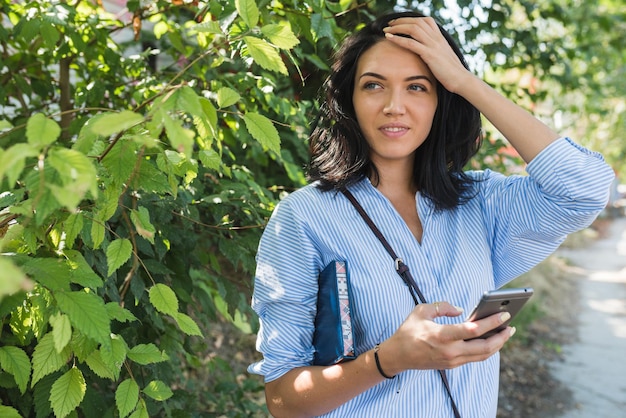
[388,59]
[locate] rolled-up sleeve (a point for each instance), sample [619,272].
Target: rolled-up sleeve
[579,179]
[528,217]
[285,294]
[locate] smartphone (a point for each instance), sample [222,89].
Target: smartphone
[508,300]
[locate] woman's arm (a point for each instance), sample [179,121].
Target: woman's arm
[419,343]
[527,134]
[315,390]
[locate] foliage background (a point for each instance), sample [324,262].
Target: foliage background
[144,143]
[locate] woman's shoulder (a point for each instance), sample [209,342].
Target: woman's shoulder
[484,179]
[308,193]
[485,183]
[308,198]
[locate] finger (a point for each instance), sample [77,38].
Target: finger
[477,328]
[481,349]
[421,29]
[411,38]
[488,346]
[426,20]
[456,352]
[410,33]
[444,309]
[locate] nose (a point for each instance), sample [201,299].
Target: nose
[394,104]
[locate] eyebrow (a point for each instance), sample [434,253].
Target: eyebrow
[411,78]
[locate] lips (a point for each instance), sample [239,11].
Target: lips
[394,129]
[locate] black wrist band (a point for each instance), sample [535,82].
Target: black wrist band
[380,369]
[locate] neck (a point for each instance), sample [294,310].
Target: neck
[396,180]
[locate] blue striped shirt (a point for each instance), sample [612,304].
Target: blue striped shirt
[511,225]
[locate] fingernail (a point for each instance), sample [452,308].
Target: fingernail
[458,309]
[504,316]
[512,332]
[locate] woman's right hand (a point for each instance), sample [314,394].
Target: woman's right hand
[422,343]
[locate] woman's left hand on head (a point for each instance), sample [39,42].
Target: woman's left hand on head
[426,40]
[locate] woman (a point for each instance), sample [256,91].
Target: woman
[400,121]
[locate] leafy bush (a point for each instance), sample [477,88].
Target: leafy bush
[141,155]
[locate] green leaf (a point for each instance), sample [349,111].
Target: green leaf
[52,273]
[13,235]
[46,359]
[67,392]
[72,227]
[61,331]
[208,26]
[265,54]
[141,411]
[227,97]
[210,159]
[262,129]
[82,345]
[110,123]
[9,412]
[117,313]
[147,354]
[97,233]
[12,279]
[209,116]
[77,171]
[99,366]
[150,179]
[115,356]
[41,394]
[182,99]
[187,324]
[141,220]
[87,314]
[6,125]
[118,252]
[81,272]
[15,361]
[187,100]
[163,299]
[121,161]
[12,161]
[180,137]
[321,27]
[87,138]
[49,34]
[41,131]
[108,202]
[248,11]
[158,390]
[38,185]
[126,397]
[280,35]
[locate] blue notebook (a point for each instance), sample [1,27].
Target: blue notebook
[333,338]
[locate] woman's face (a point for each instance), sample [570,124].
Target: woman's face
[395,98]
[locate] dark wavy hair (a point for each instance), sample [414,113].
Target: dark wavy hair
[339,154]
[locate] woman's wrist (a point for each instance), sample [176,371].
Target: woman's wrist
[384,359]
[378,365]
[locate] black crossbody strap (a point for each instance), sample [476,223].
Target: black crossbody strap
[401,268]
[405,274]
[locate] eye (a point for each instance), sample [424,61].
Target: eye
[371,85]
[417,87]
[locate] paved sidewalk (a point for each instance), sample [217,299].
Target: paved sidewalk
[594,367]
